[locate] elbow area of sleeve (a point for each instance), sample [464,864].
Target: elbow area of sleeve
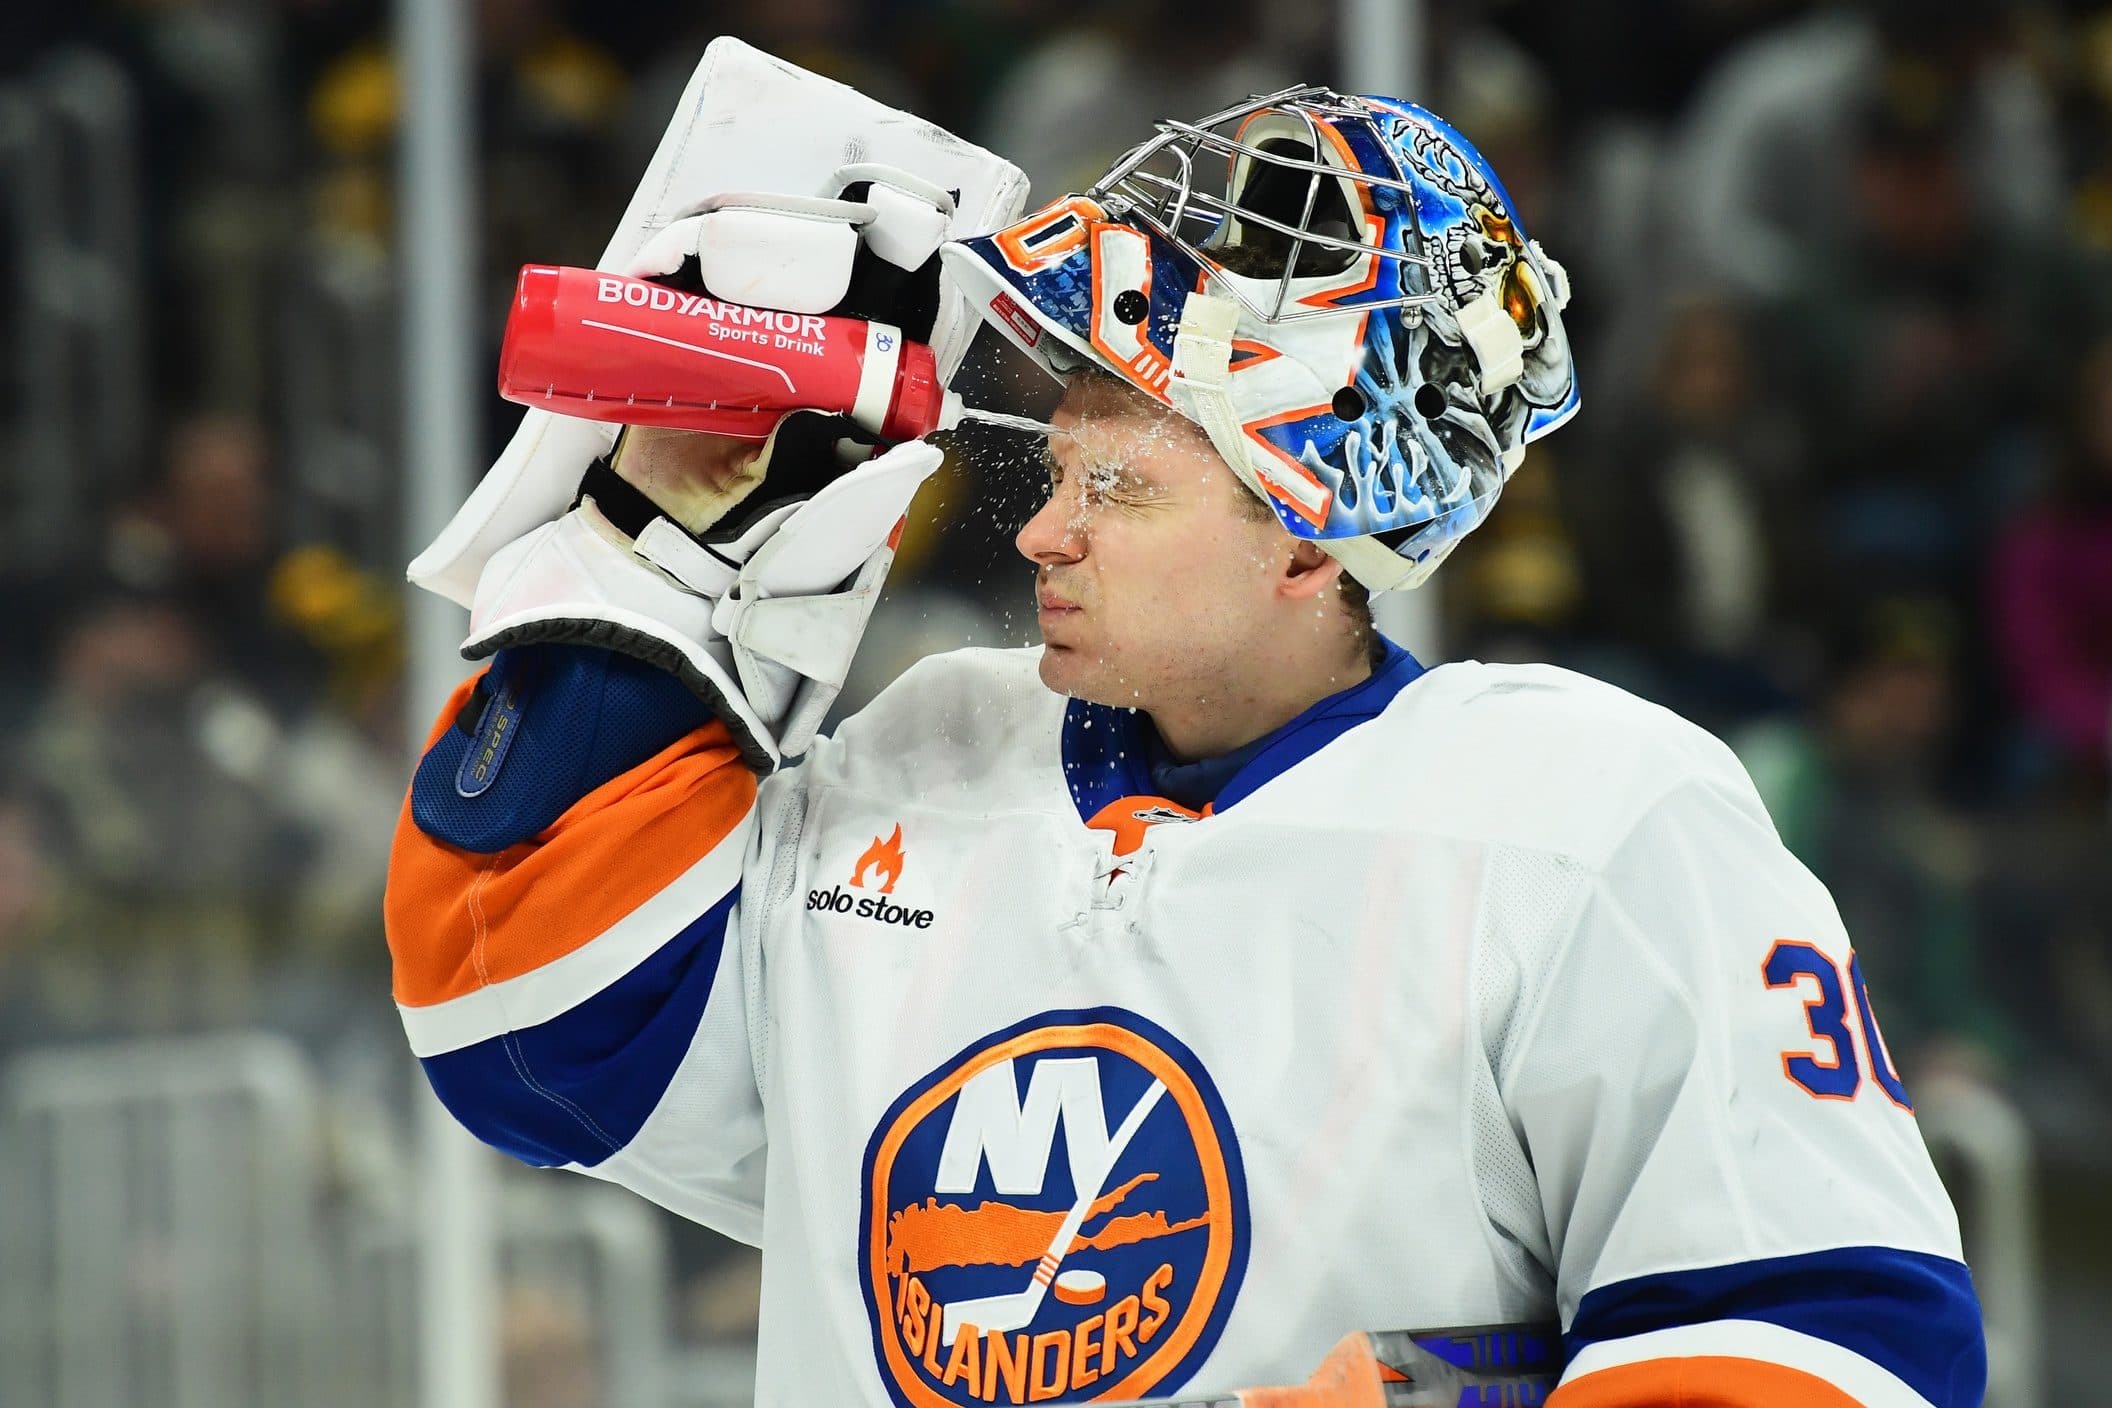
[578,1087]
[1701,1381]
[551,724]
[1871,1326]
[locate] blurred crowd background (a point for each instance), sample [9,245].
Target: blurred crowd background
[1841,489]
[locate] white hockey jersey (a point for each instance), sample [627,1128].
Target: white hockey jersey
[1503,1004]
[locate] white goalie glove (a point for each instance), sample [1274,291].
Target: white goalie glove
[756,601]
[762,622]
[747,570]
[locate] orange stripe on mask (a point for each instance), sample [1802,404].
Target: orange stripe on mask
[458,921]
[1700,1381]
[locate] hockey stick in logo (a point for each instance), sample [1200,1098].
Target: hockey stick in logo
[1016,1308]
[1512,1365]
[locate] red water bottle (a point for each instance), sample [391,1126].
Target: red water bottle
[604,347]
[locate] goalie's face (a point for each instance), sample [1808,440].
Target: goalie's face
[1162,584]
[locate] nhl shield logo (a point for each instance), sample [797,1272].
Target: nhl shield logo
[1057,1214]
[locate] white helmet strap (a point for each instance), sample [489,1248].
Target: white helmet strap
[1499,350]
[1202,368]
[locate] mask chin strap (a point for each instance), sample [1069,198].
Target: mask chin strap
[1498,346]
[1200,389]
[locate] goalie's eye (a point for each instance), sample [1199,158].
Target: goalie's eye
[1092,487]
[1091,490]
[1100,482]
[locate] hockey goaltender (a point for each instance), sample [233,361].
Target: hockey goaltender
[1264,983]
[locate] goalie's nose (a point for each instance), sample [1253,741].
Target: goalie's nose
[1054,536]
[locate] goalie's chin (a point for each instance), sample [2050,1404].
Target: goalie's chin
[1081,674]
[1068,670]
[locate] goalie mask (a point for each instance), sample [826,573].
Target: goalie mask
[1335,288]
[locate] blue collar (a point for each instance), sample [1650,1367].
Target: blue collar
[1111,753]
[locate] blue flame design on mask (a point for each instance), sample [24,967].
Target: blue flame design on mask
[1426,454]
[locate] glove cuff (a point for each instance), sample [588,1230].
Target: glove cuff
[762,627]
[572,582]
[698,671]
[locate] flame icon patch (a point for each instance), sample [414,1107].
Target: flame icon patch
[883,856]
[1057,1214]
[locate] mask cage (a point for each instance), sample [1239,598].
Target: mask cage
[1155,186]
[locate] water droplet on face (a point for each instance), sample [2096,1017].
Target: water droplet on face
[1011,422]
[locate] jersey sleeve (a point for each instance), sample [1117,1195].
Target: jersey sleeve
[577,995]
[1737,1202]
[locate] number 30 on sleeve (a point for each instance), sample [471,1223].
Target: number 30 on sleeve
[1837,1073]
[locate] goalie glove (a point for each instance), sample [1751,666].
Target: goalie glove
[869,250]
[748,123]
[754,586]
[674,552]
[760,618]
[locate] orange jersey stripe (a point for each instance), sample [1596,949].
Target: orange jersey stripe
[1701,1381]
[458,921]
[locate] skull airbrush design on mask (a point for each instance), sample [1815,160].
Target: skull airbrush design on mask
[1352,311]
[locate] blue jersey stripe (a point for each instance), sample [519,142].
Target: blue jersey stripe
[1108,752]
[578,1087]
[1323,723]
[1913,1314]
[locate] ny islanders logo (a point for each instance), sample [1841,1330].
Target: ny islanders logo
[1059,1213]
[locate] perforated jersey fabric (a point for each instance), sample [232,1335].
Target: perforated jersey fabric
[1490,1010]
[1530,899]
